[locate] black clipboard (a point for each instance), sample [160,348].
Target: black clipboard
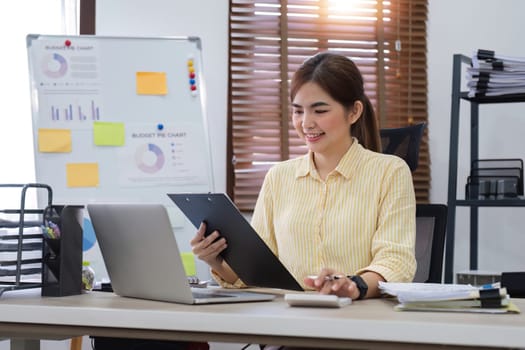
[247,254]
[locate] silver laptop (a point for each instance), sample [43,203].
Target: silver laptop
[143,260]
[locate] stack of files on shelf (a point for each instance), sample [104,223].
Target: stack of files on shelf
[449,297]
[495,75]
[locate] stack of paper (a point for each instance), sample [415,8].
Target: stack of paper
[449,297]
[495,75]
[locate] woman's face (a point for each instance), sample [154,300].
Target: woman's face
[321,122]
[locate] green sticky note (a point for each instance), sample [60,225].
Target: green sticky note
[108,134]
[189,263]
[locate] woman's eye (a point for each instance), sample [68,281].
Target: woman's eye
[321,111]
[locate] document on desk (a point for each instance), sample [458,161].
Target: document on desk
[449,297]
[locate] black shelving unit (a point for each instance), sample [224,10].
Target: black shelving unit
[459,61]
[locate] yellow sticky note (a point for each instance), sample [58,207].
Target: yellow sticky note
[108,134]
[54,140]
[188,260]
[152,83]
[82,174]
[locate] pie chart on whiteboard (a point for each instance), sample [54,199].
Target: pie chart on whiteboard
[149,158]
[54,65]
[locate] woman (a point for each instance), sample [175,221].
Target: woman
[343,212]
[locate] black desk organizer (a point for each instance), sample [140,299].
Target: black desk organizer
[62,256]
[495,179]
[21,238]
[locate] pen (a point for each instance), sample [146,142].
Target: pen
[326,278]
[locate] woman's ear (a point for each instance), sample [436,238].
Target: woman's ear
[356,112]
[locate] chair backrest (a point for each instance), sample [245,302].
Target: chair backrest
[431,223]
[403,142]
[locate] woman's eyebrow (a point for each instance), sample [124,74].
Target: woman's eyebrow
[313,105]
[319,104]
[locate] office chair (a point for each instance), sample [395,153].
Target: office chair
[404,142]
[431,223]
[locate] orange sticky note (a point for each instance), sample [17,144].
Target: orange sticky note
[152,83]
[82,174]
[54,140]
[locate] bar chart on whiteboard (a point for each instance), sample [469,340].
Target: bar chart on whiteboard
[75,109]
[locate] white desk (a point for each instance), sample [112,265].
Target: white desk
[364,324]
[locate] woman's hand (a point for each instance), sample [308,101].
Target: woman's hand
[328,281]
[208,248]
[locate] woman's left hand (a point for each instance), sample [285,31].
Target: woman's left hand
[329,281]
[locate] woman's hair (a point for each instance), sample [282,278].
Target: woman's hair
[342,80]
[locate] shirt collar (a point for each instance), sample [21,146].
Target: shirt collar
[346,167]
[349,164]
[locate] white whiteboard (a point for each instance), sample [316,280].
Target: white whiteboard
[87,84]
[119,119]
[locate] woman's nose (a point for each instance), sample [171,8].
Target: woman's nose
[308,121]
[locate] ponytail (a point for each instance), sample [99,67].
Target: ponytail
[366,128]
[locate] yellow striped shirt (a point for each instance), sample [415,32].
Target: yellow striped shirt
[361,218]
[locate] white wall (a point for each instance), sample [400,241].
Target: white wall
[16,140]
[462,27]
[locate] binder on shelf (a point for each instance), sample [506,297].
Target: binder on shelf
[62,251]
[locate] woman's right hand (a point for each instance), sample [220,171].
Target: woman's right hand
[208,248]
